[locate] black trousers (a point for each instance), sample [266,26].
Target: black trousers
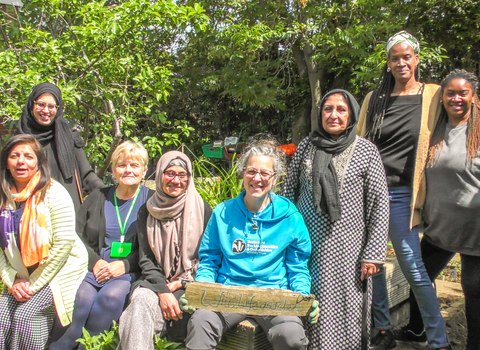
[436,259]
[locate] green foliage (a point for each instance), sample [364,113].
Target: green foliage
[164,344]
[102,54]
[221,68]
[109,340]
[261,65]
[216,189]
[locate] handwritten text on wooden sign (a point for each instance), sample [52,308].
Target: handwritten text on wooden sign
[247,300]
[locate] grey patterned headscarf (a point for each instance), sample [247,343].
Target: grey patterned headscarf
[403,37]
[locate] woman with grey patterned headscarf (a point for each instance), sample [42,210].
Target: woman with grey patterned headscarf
[399,117]
[338,183]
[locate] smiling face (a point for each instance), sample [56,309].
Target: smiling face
[402,61]
[22,163]
[457,97]
[335,115]
[45,115]
[128,171]
[175,181]
[258,186]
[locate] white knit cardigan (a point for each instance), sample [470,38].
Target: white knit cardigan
[66,265]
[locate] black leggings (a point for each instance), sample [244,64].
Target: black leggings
[436,259]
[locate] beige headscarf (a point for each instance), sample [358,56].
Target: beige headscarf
[175,222]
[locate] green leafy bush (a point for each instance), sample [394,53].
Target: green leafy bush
[109,340]
[216,189]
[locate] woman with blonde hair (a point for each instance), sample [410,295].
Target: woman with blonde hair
[107,224]
[42,260]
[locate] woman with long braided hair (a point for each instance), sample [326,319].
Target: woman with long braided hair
[453,196]
[399,117]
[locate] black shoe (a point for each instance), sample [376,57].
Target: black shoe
[406,335]
[383,340]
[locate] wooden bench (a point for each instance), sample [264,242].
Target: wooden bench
[248,335]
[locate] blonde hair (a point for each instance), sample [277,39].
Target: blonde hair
[130,149]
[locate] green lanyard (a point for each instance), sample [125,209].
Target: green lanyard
[122,226]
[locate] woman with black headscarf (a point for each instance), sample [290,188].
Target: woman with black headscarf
[338,183]
[43,118]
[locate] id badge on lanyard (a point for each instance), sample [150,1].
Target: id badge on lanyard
[122,249]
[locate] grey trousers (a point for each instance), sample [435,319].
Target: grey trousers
[140,321]
[205,330]
[143,319]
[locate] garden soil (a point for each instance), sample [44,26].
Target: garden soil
[452,306]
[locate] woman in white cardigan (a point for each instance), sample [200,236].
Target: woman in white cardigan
[43,261]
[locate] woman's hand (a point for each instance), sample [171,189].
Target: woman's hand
[170,308]
[96,268]
[109,271]
[369,269]
[21,290]
[173,286]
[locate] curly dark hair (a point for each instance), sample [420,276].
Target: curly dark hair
[473,128]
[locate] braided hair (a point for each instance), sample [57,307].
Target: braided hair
[378,103]
[473,127]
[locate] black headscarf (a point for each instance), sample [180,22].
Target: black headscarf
[325,183]
[58,131]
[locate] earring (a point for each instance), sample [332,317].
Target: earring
[388,69]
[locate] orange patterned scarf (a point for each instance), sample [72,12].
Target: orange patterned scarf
[33,225]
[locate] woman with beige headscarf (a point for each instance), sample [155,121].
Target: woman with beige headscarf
[169,227]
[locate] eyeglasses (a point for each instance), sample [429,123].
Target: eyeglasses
[265,175]
[170,175]
[41,106]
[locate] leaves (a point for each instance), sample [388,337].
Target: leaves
[216,189]
[109,340]
[100,51]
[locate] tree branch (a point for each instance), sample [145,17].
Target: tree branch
[116,140]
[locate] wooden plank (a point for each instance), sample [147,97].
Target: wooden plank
[248,335]
[247,300]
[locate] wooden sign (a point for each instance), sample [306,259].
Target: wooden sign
[247,300]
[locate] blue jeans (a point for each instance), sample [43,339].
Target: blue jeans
[406,243]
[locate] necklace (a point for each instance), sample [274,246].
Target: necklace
[257,214]
[254,220]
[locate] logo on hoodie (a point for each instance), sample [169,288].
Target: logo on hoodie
[238,246]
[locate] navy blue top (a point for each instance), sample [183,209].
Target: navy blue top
[113,229]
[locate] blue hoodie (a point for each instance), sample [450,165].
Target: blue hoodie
[273,256]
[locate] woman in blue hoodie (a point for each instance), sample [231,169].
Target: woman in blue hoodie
[257,239]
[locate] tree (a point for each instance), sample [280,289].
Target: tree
[280,56]
[111,59]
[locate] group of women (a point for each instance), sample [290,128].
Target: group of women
[127,253]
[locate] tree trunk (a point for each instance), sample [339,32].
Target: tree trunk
[117,137]
[307,68]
